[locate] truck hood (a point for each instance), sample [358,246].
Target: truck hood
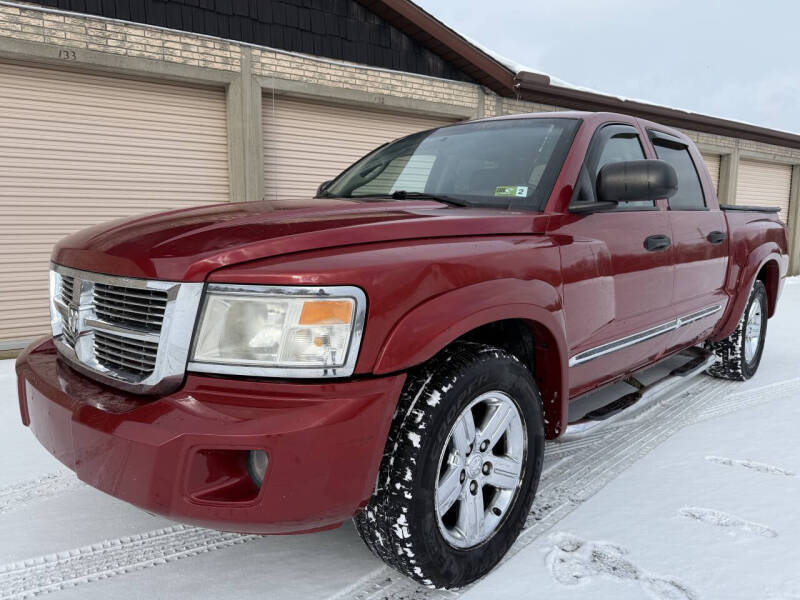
[186,245]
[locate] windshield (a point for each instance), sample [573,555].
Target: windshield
[504,163]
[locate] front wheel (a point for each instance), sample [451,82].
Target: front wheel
[740,353]
[460,469]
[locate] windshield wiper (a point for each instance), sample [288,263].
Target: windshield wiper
[403,195]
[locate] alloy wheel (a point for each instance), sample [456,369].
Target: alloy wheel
[480,470]
[752,331]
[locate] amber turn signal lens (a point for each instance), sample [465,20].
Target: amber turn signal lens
[326,312]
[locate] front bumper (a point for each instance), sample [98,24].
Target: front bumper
[183,455]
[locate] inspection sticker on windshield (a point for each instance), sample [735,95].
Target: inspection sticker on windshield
[518,191]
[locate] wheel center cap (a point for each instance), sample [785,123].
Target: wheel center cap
[474,466]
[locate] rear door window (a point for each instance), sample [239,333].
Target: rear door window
[690,191]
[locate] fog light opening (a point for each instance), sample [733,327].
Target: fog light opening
[257,461]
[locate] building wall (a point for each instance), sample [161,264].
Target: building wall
[246,72]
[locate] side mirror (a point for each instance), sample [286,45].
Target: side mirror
[636,180]
[323,186]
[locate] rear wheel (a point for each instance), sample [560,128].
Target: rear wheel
[740,353]
[460,469]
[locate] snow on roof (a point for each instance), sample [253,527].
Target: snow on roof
[518,68]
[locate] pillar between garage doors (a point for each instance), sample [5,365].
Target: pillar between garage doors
[728,176]
[794,222]
[245,146]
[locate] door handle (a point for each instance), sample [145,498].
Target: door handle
[717,237]
[654,243]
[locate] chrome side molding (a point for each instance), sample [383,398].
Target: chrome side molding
[642,336]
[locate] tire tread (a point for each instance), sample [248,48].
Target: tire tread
[730,351]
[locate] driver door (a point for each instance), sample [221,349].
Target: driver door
[617,292]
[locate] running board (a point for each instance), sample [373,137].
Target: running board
[701,361]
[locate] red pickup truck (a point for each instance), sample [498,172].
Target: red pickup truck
[398,348]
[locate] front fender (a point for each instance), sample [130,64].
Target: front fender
[432,325]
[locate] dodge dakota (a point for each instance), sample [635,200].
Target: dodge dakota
[398,348]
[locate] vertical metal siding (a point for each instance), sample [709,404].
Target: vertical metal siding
[765,184]
[79,149]
[712,164]
[306,142]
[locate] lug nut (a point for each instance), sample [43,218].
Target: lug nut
[484,445]
[462,477]
[473,487]
[486,468]
[497,512]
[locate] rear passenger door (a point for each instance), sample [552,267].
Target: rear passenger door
[699,241]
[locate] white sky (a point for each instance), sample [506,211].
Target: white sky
[733,59]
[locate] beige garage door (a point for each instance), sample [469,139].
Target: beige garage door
[78,149]
[712,164]
[306,143]
[764,184]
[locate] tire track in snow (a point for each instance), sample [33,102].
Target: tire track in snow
[24,494]
[753,397]
[54,572]
[594,460]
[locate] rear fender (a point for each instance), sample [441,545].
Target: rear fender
[742,282]
[432,325]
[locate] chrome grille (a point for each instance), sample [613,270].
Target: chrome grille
[125,354]
[67,289]
[71,337]
[130,307]
[130,333]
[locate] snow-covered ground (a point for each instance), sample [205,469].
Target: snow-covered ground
[693,496]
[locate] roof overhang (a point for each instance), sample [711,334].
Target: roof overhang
[538,88]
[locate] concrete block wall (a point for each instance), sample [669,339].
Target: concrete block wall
[115,37]
[341,75]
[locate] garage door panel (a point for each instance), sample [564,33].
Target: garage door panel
[27,167]
[128,161]
[77,181]
[764,184]
[98,138]
[40,120]
[306,143]
[156,148]
[19,79]
[79,149]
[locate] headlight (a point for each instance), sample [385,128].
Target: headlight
[279,331]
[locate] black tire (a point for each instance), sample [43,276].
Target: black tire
[733,363]
[400,525]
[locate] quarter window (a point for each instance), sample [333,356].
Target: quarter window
[690,192]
